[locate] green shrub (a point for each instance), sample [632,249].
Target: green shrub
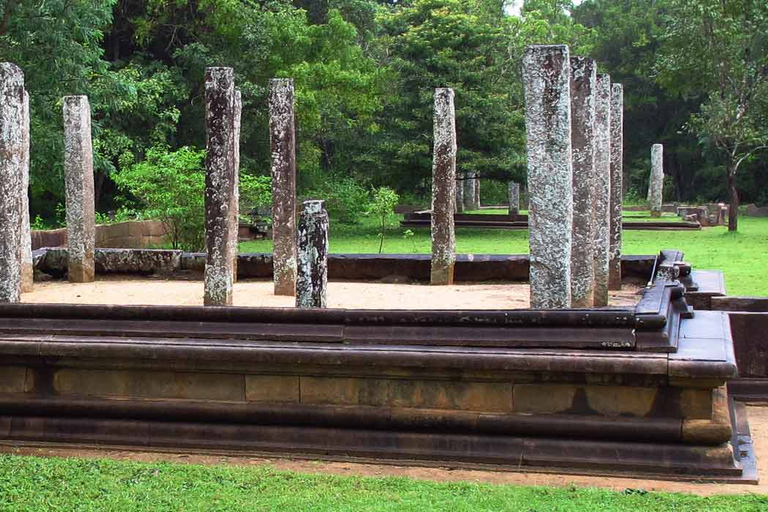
[345,199]
[383,207]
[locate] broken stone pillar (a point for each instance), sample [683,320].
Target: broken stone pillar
[443,188]
[220,180]
[602,197]
[657,180]
[78,178]
[27,266]
[617,157]
[547,80]
[312,272]
[470,192]
[583,78]
[459,192]
[235,205]
[11,177]
[513,191]
[283,142]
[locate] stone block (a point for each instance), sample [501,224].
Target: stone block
[15,379]
[272,388]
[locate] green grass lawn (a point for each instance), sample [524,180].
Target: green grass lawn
[743,256]
[43,484]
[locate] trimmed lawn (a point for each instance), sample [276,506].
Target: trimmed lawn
[742,256]
[42,484]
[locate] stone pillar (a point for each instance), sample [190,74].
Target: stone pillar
[470,193]
[11,176]
[513,190]
[283,141]
[583,78]
[547,80]
[312,272]
[235,205]
[78,177]
[27,268]
[602,198]
[220,180]
[443,188]
[459,192]
[656,186]
[478,203]
[617,172]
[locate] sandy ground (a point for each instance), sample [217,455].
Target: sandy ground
[368,295]
[758,421]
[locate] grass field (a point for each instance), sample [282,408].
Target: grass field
[43,484]
[743,256]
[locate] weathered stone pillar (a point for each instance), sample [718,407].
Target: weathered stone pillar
[312,273]
[656,187]
[602,199]
[11,176]
[459,192]
[443,188]
[235,205]
[478,203]
[283,141]
[583,78]
[617,173]
[470,191]
[219,185]
[547,80]
[513,191]
[27,269]
[78,178]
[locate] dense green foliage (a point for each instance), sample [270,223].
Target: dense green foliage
[34,484]
[694,73]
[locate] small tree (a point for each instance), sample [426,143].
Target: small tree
[383,205]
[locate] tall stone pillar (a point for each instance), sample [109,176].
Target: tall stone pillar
[312,274]
[220,180]
[459,192]
[470,192]
[583,83]
[617,173]
[27,269]
[478,203]
[234,209]
[513,191]
[602,197]
[443,188]
[78,178]
[547,80]
[283,141]
[11,177]
[657,180]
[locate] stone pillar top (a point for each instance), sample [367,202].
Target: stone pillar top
[312,206]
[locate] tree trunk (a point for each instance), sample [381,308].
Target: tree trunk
[733,199]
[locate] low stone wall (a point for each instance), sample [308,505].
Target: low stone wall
[350,267]
[131,235]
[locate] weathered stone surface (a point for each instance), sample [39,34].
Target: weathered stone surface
[234,209]
[459,192]
[602,199]
[583,83]
[312,271]
[617,170]
[78,177]
[137,261]
[11,176]
[656,184]
[219,185]
[470,192]
[283,141]
[513,192]
[27,268]
[547,77]
[443,188]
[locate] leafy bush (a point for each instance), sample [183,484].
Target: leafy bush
[382,207]
[345,199]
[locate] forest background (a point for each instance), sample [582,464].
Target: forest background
[695,75]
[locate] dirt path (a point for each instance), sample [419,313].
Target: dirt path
[259,294]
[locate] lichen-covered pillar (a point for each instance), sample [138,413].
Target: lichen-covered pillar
[78,178]
[220,180]
[602,196]
[11,164]
[312,272]
[283,141]
[234,209]
[583,78]
[547,81]
[443,188]
[617,172]
[27,267]
[459,192]
[657,180]
[470,194]
[513,192]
